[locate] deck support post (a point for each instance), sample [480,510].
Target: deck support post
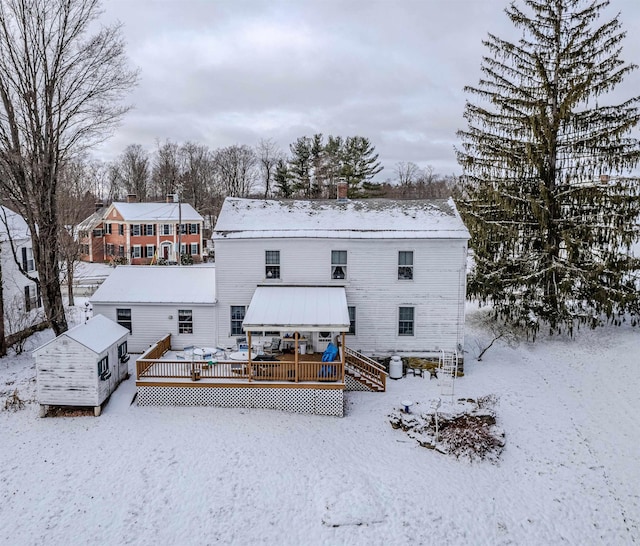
[342,354]
[295,353]
[249,354]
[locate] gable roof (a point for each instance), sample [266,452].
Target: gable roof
[353,219]
[97,334]
[158,284]
[92,221]
[16,224]
[154,212]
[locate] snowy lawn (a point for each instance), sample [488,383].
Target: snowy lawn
[570,471]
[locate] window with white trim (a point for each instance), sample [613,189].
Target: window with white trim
[185,321]
[352,320]
[136,251]
[194,250]
[32,299]
[135,229]
[237,316]
[194,229]
[150,250]
[120,229]
[103,368]
[406,321]
[150,229]
[405,265]
[123,318]
[28,263]
[272,264]
[167,229]
[338,264]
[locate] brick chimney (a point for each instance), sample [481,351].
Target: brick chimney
[131,198]
[342,190]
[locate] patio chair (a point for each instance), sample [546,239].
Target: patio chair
[273,347]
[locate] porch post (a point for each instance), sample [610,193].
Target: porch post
[295,353]
[249,353]
[342,358]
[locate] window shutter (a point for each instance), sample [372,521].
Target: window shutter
[39,295]
[27,301]
[24,259]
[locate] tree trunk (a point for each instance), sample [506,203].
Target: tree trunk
[49,272]
[70,266]
[3,339]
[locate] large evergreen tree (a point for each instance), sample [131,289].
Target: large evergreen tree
[550,211]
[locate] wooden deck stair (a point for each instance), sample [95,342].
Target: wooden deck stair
[365,370]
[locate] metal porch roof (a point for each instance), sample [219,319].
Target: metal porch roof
[293,308]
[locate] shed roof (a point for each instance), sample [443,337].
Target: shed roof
[158,284]
[97,334]
[291,308]
[155,212]
[354,219]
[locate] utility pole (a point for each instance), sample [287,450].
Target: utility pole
[179,195]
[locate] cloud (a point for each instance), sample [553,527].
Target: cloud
[235,71]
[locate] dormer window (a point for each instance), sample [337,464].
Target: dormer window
[272,264]
[338,264]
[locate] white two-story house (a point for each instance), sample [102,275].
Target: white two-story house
[401,264]
[21,295]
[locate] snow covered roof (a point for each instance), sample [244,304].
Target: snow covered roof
[155,212]
[360,219]
[97,334]
[158,284]
[91,221]
[16,224]
[290,308]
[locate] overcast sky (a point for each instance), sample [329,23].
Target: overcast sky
[223,72]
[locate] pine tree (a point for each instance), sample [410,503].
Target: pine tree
[550,210]
[359,163]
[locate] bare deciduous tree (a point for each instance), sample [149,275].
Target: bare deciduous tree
[60,91]
[268,155]
[236,168]
[131,172]
[167,169]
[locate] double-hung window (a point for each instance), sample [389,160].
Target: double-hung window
[136,251]
[150,251]
[28,263]
[103,368]
[405,265]
[406,321]
[194,229]
[123,318]
[120,229]
[338,264]
[185,321]
[150,229]
[195,247]
[31,297]
[352,321]
[167,229]
[237,316]
[110,249]
[272,264]
[122,350]
[135,229]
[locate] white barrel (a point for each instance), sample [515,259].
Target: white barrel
[395,367]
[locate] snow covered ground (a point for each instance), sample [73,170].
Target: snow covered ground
[570,472]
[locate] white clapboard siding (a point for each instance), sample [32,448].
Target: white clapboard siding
[151,322]
[437,291]
[67,374]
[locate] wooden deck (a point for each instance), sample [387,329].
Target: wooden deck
[159,365]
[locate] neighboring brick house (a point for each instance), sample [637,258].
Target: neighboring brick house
[142,233]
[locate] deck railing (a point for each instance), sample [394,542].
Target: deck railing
[227,369]
[366,367]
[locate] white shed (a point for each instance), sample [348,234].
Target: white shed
[82,366]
